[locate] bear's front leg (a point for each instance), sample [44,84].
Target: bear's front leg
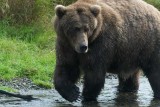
[93,83]
[66,71]
[65,78]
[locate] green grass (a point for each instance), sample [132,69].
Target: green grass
[156,3]
[42,36]
[27,51]
[20,59]
[7,89]
[27,48]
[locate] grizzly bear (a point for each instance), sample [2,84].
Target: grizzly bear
[99,36]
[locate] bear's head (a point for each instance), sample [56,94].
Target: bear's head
[78,23]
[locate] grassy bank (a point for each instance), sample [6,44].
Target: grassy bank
[20,59]
[26,51]
[27,41]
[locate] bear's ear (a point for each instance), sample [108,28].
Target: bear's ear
[60,10]
[95,10]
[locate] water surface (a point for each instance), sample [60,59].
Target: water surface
[109,97]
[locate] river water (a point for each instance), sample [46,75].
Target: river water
[109,97]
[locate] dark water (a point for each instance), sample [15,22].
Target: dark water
[109,97]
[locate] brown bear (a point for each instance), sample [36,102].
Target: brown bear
[99,36]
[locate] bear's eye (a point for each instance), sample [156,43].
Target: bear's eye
[86,29]
[77,29]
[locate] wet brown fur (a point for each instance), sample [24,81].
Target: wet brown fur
[126,39]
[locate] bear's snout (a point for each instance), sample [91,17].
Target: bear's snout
[83,48]
[80,43]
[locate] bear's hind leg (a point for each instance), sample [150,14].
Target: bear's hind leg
[93,83]
[153,75]
[130,84]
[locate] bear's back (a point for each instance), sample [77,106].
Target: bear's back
[140,30]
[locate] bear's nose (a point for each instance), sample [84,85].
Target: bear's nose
[83,48]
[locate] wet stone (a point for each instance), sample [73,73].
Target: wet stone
[20,84]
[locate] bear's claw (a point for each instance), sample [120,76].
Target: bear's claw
[69,92]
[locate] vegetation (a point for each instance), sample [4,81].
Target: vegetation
[7,89]
[156,3]
[27,39]
[26,52]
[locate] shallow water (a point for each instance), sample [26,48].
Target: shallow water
[109,97]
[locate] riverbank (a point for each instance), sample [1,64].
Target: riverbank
[27,52]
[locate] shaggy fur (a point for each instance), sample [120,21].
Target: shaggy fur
[99,36]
